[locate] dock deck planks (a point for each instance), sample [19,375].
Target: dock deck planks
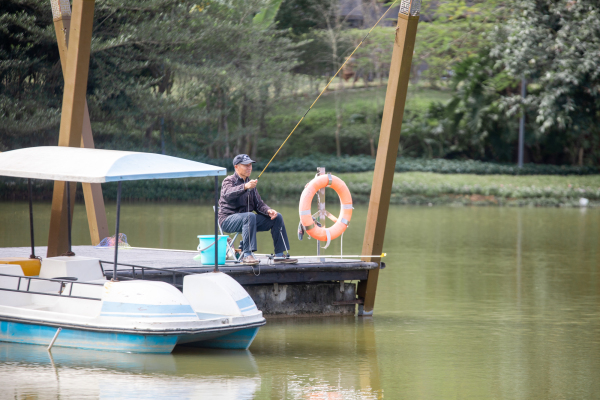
[306,271]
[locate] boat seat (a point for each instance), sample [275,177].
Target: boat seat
[85,269]
[30,266]
[8,282]
[10,298]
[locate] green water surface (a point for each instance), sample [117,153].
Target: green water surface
[475,303]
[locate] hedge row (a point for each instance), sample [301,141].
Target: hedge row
[404,164]
[146,190]
[282,188]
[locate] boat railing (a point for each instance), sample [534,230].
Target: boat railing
[61,291]
[139,272]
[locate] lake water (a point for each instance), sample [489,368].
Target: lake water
[475,303]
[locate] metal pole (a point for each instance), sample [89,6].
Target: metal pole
[69,216]
[216,224]
[31,218]
[322,214]
[114,278]
[54,338]
[522,122]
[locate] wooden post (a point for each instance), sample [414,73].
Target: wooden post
[92,192]
[72,118]
[387,151]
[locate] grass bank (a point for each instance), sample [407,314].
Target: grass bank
[423,188]
[418,188]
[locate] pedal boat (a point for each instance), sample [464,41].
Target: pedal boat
[72,304]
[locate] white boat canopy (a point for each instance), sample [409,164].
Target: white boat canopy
[75,164]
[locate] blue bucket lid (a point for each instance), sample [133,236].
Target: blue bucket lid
[210,236]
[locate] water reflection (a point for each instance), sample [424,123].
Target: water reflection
[30,371]
[475,303]
[318,358]
[325,359]
[519,241]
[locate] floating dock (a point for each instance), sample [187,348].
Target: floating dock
[308,288]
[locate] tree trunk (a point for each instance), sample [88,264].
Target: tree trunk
[173,134]
[226,130]
[262,124]
[317,80]
[241,126]
[148,135]
[338,128]
[164,88]
[339,114]
[255,142]
[372,145]
[222,123]
[581,156]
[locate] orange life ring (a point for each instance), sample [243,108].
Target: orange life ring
[341,223]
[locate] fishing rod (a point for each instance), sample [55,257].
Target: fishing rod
[326,86]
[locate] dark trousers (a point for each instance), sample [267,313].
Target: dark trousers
[250,223]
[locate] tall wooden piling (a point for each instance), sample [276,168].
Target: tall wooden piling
[387,151]
[75,129]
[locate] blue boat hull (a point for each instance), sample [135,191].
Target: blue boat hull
[124,342]
[241,340]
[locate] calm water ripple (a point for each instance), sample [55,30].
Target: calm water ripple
[475,303]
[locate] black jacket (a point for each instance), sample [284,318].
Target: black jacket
[235,199]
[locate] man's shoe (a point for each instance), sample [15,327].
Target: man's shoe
[285,260]
[249,260]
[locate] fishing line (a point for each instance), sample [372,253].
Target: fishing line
[328,83]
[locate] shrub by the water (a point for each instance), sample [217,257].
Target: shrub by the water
[408,188]
[405,164]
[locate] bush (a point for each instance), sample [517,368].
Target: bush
[405,164]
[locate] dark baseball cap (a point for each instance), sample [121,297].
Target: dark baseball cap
[242,159]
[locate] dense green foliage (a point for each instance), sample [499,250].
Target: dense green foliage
[30,83]
[554,45]
[404,164]
[207,80]
[365,163]
[408,188]
[184,68]
[452,31]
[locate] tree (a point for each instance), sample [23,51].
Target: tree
[556,46]
[201,69]
[30,74]
[453,30]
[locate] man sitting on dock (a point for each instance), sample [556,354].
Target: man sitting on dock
[239,198]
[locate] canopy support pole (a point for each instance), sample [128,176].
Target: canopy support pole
[69,252]
[32,255]
[387,151]
[216,224]
[114,277]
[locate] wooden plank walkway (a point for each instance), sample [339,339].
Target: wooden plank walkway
[177,264]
